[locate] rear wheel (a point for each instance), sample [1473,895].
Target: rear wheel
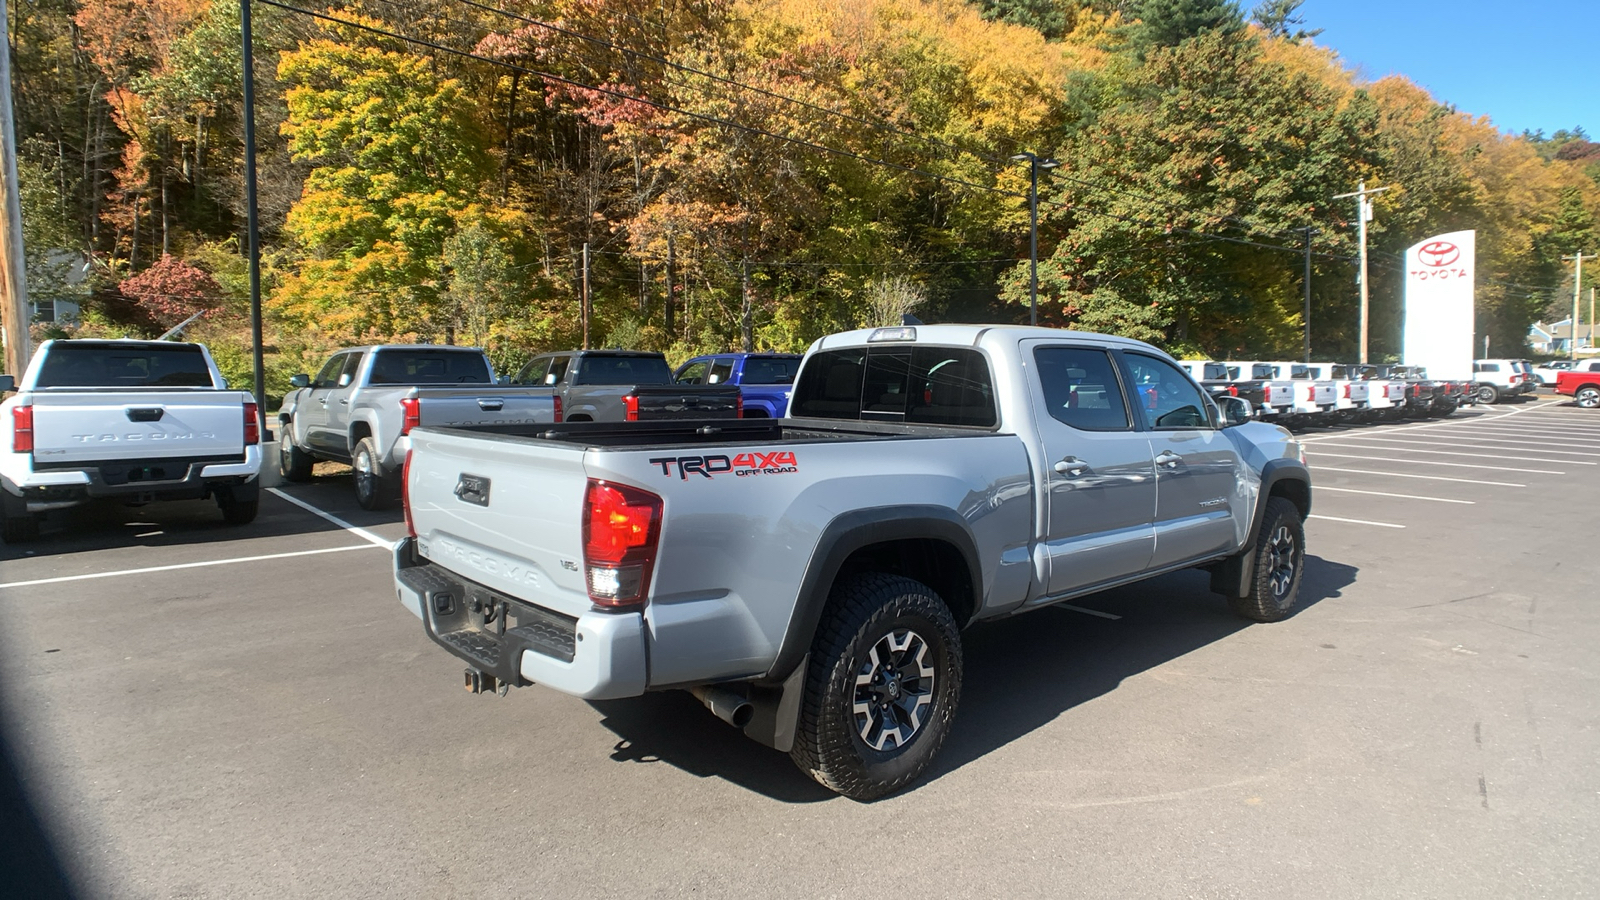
[17,525]
[1488,393]
[882,689]
[375,488]
[1588,397]
[1278,560]
[294,463]
[240,502]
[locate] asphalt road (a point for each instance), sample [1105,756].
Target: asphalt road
[250,713]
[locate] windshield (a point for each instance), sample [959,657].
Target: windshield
[405,366]
[92,364]
[623,370]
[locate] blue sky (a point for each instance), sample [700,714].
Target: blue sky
[1530,65]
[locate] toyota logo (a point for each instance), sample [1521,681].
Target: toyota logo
[1438,253]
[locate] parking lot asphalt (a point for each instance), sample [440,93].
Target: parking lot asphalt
[202,711]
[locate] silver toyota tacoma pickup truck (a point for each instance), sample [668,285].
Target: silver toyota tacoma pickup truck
[809,578]
[365,399]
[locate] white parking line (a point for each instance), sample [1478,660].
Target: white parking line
[1354,521]
[1435,462]
[1529,426]
[1479,437]
[193,565]
[1423,477]
[1339,490]
[1409,442]
[1481,417]
[358,532]
[1570,462]
[1090,612]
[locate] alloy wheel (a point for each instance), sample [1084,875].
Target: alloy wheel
[366,479]
[894,690]
[1589,398]
[1281,565]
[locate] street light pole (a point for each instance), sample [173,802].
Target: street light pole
[1034,165]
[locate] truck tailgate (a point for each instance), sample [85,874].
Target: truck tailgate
[485,405]
[532,524]
[85,426]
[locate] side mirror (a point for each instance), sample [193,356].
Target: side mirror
[1235,411]
[300,381]
[8,383]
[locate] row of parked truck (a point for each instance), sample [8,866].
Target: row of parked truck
[1298,394]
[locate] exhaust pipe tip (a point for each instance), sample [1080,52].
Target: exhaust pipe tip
[726,704]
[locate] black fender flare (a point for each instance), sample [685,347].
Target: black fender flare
[1231,576]
[777,695]
[850,532]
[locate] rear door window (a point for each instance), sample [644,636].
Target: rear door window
[401,366]
[352,365]
[925,385]
[1081,388]
[721,371]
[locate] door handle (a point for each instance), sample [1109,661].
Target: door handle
[491,404]
[323,400]
[344,401]
[1169,460]
[1072,467]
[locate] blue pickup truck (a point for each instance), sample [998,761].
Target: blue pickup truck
[765,379]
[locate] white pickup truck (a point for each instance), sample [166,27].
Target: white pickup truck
[1351,394]
[808,578]
[134,421]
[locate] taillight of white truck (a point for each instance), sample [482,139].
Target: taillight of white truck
[22,429]
[252,424]
[621,527]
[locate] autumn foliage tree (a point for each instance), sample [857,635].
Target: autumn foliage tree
[172,290]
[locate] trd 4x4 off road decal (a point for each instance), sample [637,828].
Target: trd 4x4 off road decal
[775,463]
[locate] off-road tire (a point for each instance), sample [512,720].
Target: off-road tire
[1274,589]
[17,525]
[1488,394]
[240,503]
[295,464]
[863,612]
[375,488]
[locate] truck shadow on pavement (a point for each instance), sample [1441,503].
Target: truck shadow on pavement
[1021,674]
[111,526]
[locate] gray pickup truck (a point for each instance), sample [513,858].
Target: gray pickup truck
[809,578]
[364,400]
[625,386]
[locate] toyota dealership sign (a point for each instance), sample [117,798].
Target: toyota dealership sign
[1439,296]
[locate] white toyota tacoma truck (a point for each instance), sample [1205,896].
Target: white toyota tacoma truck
[132,421]
[809,578]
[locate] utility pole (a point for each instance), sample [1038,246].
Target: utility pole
[1591,317]
[1034,165]
[1306,316]
[672,260]
[251,215]
[13,265]
[746,338]
[1363,216]
[1577,288]
[583,303]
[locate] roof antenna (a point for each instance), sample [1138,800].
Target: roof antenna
[909,319]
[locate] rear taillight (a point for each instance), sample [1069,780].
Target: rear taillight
[22,429]
[252,424]
[557,399]
[621,527]
[630,404]
[1347,392]
[405,494]
[738,407]
[410,414]
[1267,394]
[1233,390]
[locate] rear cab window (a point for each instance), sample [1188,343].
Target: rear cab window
[82,364]
[910,384]
[622,370]
[400,366]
